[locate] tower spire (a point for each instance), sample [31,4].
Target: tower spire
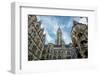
[59,36]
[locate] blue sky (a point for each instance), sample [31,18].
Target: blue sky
[51,24]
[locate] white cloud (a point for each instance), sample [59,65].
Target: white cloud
[81,20]
[48,38]
[66,37]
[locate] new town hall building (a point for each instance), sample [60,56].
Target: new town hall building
[59,50]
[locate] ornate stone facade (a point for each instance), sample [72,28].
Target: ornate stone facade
[80,39]
[36,38]
[38,50]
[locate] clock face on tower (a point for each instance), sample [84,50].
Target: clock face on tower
[57,37]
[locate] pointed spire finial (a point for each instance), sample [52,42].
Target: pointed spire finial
[59,29]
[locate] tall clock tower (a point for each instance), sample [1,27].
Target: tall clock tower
[59,36]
